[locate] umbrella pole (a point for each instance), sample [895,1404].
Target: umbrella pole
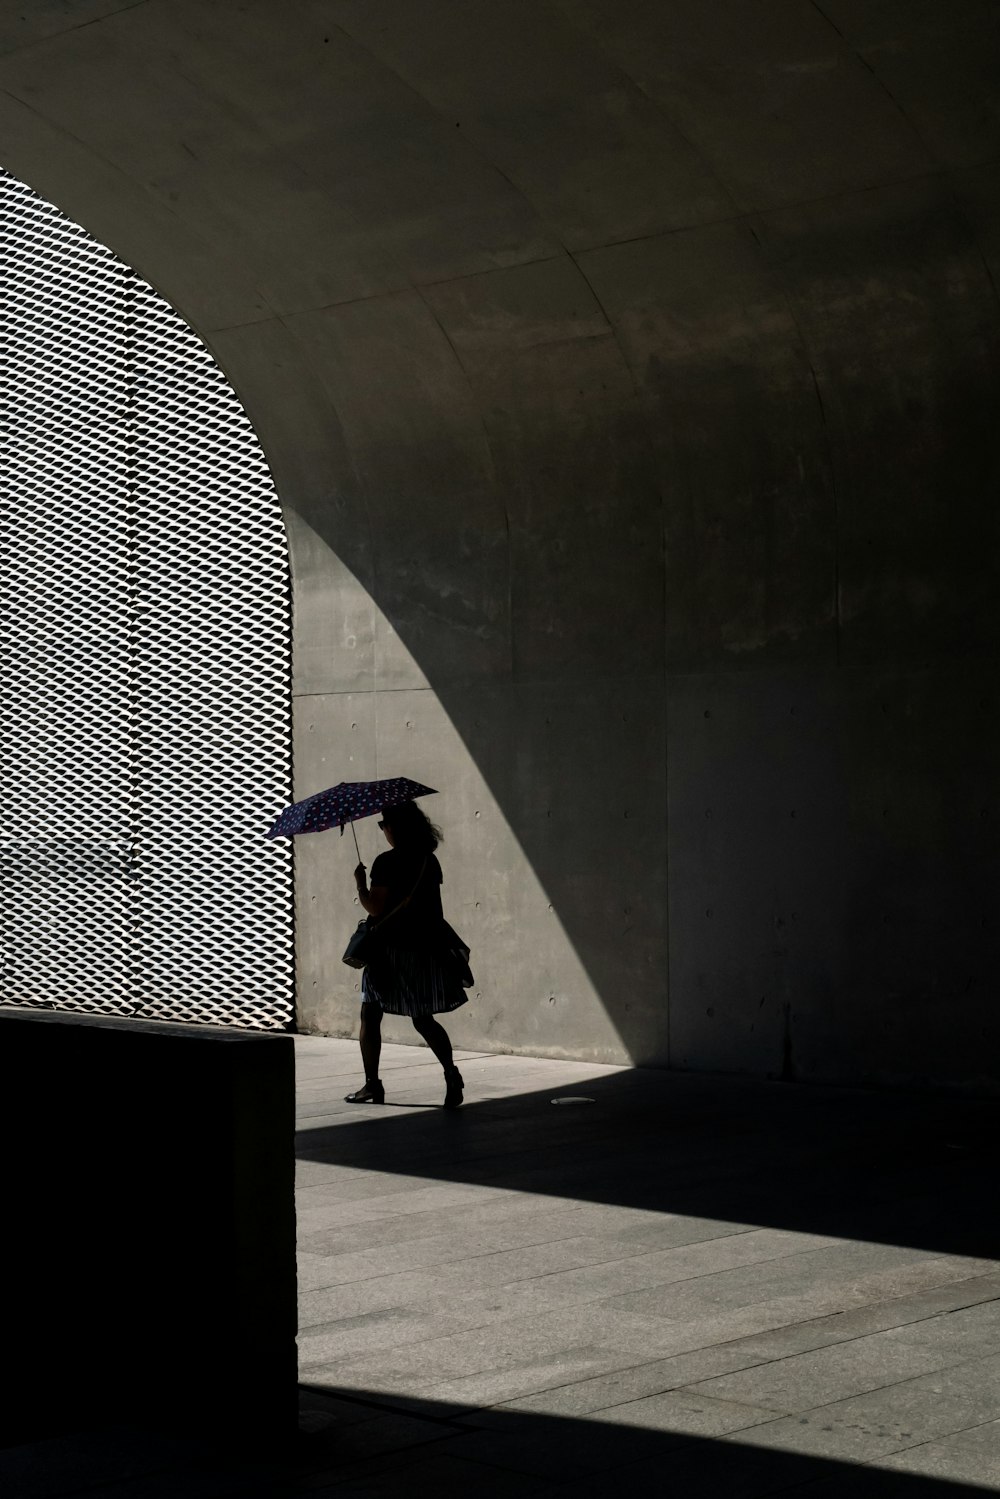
[356,843]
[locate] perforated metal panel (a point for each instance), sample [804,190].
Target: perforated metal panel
[144,675]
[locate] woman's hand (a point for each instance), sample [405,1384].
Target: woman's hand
[373,901]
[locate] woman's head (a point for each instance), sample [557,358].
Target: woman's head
[407,827]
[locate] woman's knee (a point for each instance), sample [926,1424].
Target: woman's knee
[371,1016]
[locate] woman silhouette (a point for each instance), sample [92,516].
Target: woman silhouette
[413,972]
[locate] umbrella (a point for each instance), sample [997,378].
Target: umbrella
[343,804]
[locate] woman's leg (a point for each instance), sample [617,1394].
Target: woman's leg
[434,1033]
[371,1049]
[371,1039]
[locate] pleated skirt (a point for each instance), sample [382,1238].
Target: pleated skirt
[412,981]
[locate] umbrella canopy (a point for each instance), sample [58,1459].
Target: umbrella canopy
[339,805]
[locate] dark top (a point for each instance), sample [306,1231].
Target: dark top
[397,869]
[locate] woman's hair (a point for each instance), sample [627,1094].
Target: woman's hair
[411,828]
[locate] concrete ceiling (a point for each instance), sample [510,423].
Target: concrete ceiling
[735,211]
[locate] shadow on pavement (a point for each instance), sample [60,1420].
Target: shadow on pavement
[498,1453]
[351,1446]
[891,1168]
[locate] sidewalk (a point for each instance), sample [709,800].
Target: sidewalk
[689,1285]
[734,1287]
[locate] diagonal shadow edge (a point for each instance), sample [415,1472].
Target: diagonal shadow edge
[908,1170]
[536,1446]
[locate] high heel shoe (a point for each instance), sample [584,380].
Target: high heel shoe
[372,1092]
[454,1086]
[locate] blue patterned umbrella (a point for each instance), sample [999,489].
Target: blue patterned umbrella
[345,803]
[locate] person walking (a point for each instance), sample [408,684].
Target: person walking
[412,973]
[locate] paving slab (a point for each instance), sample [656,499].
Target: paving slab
[894,1417]
[770,1350]
[825,1375]
[971,1456]
[687,1410]
[969,1332]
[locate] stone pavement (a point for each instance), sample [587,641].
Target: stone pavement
[691,1285]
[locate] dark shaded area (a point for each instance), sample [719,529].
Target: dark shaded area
[896,1169]
[786,741]
[148,1252]
[351,1444]
[524,1453]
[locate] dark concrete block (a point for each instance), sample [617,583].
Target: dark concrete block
[148,1258]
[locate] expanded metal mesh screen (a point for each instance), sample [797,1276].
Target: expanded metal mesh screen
[144,675]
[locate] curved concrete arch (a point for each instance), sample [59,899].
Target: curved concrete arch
[627,373]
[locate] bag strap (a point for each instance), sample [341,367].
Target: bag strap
[404,902]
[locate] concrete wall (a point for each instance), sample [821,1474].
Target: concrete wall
[629,376]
